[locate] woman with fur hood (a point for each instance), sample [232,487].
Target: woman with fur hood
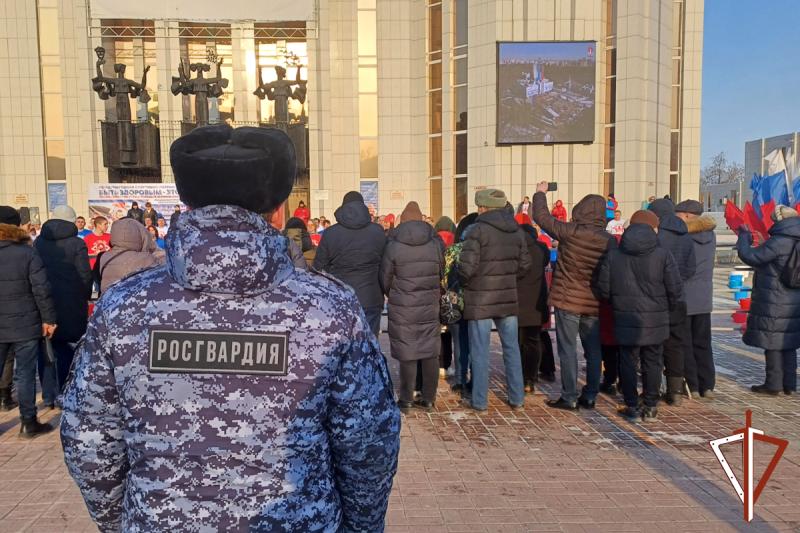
[26,315]
[698,365]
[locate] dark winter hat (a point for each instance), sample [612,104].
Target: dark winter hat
[662,207]
[465,223]
[645,217]
[491,198]
[445,223]
[253,168]
[295,223]
[9,215]
[693,207]
[411,212]
[352,196]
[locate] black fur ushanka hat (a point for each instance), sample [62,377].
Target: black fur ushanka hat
[253,168]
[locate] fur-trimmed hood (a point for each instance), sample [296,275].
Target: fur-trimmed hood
[13,235]
[701,224]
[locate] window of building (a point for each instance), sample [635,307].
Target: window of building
[460,64]
[368,93]
[368,150]
[435,145]
[52,102]
[609,133]
[135,54]
[283,45]
[435,107]
[207,44]
[462,190]
[676,97]
[436,198]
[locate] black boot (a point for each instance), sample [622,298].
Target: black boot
[31,428]
[674,391]
[6,402]
[763,389]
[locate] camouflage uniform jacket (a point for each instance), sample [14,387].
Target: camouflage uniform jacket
[314,450]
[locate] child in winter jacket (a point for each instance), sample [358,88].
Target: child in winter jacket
[641,282]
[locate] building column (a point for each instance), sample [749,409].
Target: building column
[243,51]
[643,101]
[170,111]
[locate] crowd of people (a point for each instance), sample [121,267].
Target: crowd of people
[637,293]
[48,282]
[249,338]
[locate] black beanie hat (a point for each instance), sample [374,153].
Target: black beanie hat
[662,207]
[253,168]
[352,196]
[9,215]
[295,223]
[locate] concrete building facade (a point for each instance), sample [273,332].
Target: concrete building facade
[401,98]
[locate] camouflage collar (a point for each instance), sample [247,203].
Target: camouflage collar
[228,250]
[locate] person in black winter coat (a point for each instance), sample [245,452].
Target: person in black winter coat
[493,256]
[411,272]
[351,250]
[150,213]
[698,367]
[136,213]
[533,308]
[673,236]
[773,323]
[26,315]
[640,279]
[66,261]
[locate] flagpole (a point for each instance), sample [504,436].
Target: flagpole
[792,165]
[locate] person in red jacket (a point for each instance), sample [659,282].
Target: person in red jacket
[302,212]
[559,211]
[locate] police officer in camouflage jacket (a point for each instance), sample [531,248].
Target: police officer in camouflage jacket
[246,395]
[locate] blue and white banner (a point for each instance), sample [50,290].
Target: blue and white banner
[112,200]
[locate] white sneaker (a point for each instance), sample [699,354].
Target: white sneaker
[450,372]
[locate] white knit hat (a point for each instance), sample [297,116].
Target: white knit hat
[64,212]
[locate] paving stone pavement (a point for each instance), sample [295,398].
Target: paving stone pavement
[531,470]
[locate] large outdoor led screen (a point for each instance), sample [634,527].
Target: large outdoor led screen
[545,92]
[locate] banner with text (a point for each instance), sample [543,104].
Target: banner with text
[112,200]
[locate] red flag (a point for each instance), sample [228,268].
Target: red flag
[733,216]
[757,227]
[766,214]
